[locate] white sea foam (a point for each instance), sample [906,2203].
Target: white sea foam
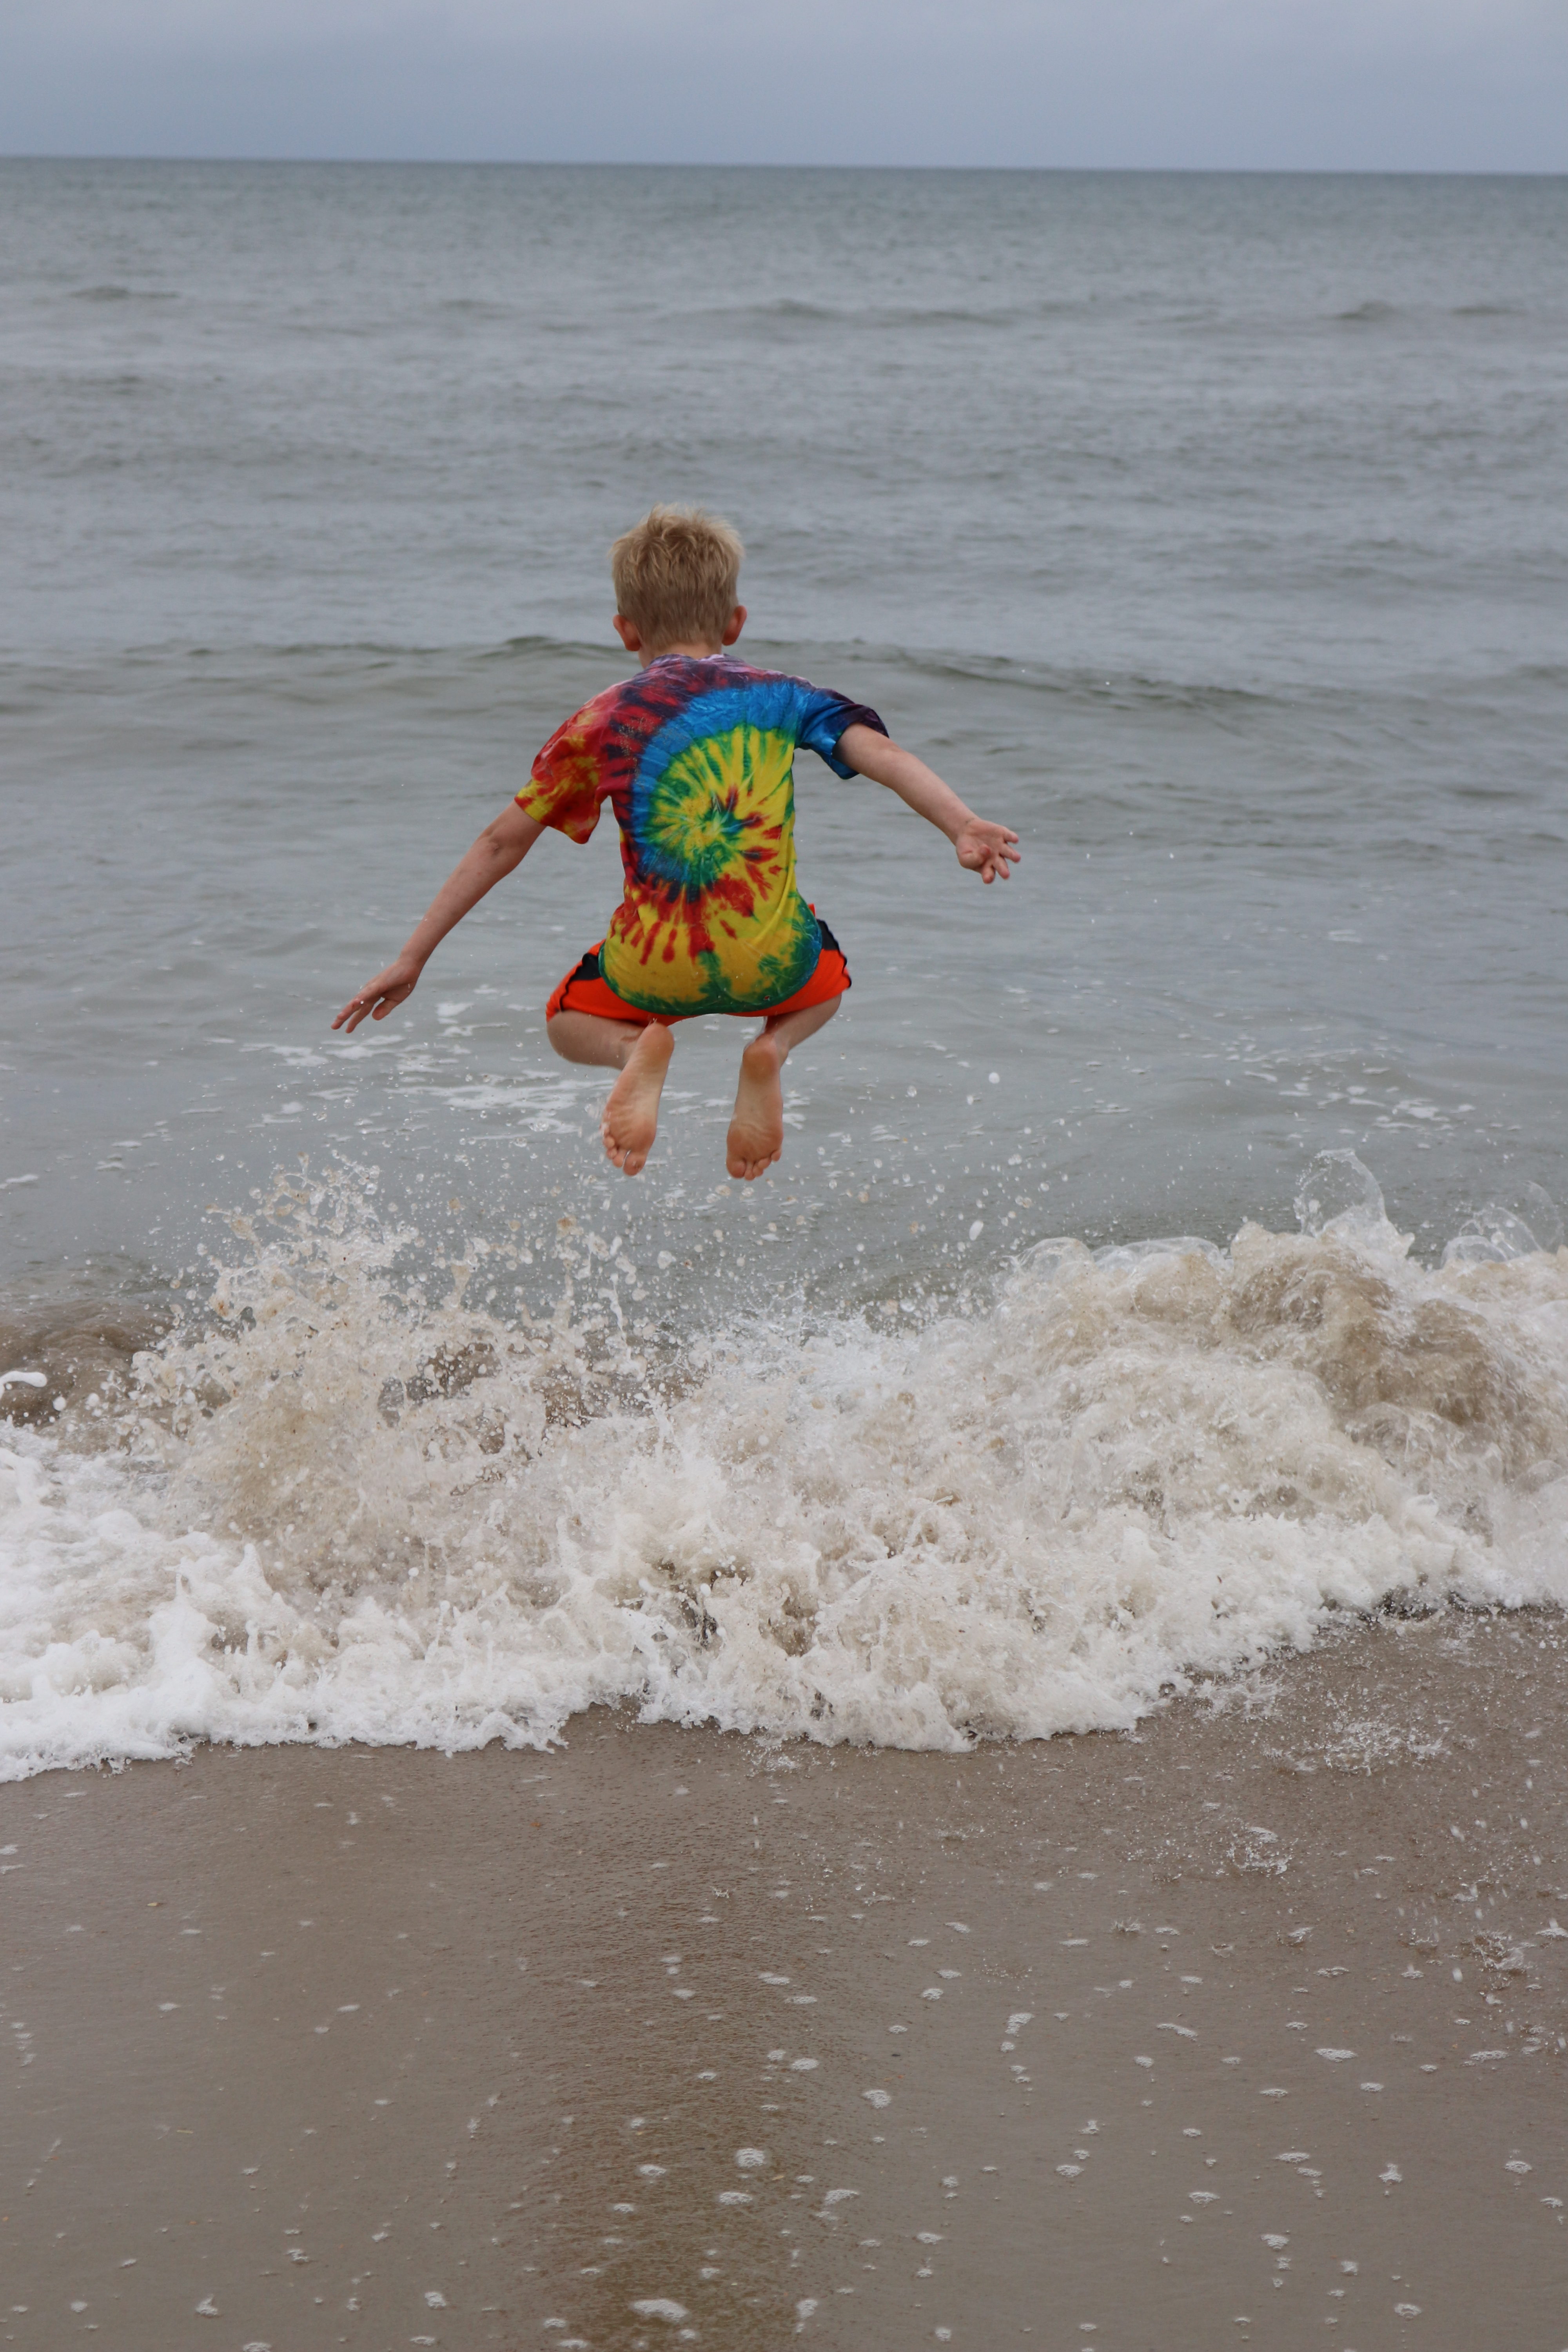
[334,1514]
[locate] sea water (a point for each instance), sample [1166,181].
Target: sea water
[1165,1253]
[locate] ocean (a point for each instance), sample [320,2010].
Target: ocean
[1166,1261]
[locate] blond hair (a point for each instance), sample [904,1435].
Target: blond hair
[675,574]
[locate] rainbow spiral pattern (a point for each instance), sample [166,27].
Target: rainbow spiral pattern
[697,758]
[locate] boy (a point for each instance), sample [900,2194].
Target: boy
[696,756]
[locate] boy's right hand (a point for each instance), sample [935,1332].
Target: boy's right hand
[379,995]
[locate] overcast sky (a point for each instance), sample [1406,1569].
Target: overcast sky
[1393,85]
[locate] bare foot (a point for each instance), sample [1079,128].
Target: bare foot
[630,1119]
[756,1132]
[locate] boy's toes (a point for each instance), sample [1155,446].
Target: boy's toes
[745,1160]
[747,1169]
[626,1157]
[629,1155]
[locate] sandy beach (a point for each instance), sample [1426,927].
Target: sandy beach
[668,2037]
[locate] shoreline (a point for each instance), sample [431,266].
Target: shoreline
[1137,2038]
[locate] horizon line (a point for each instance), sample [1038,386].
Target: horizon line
[632,163]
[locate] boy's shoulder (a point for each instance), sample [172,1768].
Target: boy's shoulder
[708,687]
[671,683]
[670,680]
[679,699]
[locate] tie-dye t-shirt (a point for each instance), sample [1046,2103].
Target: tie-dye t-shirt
[697,759]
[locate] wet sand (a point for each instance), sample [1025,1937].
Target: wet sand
[1251,2027]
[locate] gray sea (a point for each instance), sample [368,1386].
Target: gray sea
[1207,530]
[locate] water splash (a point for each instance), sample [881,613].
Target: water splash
[341,1506]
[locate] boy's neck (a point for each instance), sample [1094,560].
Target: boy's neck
[690,649]
[706,652]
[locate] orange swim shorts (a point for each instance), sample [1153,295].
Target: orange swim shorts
[585,990]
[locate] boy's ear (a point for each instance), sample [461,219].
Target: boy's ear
[630,634]
[737,621]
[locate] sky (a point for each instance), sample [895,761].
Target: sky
[1313,85]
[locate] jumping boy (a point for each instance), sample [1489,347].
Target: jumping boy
[696,756]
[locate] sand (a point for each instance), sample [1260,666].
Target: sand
[1251,2027]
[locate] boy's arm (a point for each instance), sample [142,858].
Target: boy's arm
[988,850]
[501,847]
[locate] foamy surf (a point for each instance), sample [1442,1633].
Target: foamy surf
[333,1513]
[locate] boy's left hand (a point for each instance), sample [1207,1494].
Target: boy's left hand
[988,850]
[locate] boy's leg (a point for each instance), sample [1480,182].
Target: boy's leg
[756,1131]
[629,1121]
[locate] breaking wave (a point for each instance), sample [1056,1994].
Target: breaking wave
[328,1509]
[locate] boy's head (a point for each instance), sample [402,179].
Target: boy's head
[675,575]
